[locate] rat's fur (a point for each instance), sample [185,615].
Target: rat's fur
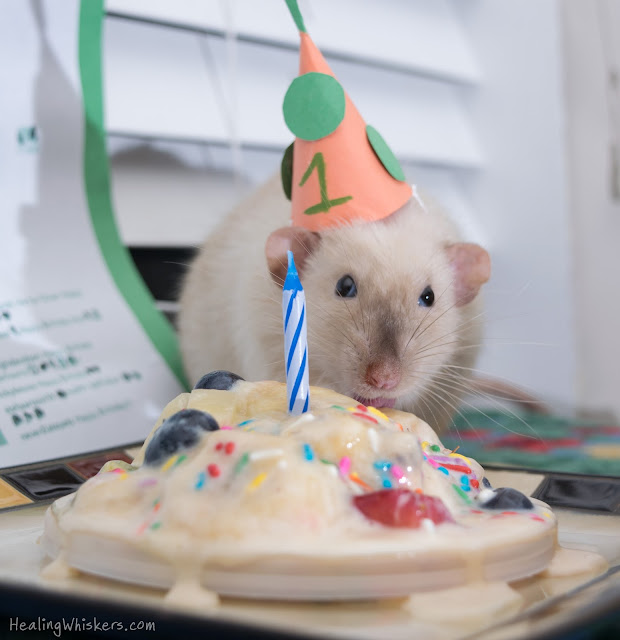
[231,315]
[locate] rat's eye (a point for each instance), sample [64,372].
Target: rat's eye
[345,287]
[427,297]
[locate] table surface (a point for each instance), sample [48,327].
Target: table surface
[21,559]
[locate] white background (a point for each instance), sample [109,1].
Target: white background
[592,55]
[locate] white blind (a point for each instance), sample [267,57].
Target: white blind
[414,35]
[214,73]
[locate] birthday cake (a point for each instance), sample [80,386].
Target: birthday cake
[229,485]
[269,490]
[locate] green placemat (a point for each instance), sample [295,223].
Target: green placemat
[533,441]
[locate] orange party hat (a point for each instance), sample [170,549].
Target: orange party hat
[338,170]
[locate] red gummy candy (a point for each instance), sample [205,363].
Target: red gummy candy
[402,508]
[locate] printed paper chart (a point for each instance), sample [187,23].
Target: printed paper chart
[86,361]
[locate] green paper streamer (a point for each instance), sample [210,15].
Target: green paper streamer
[296,13]
[384,153]
[286,171]
[97,185]
[314,105]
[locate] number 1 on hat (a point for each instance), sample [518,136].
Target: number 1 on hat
[326,204]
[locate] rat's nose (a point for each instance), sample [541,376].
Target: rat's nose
[383,375]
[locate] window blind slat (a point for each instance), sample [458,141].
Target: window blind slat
[201,185]
[421,36]
[175,85]
[157,83]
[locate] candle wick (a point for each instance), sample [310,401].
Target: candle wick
[292,268]
[292,281]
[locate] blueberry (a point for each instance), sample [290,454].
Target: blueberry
[507,499]
[486,483]
[221,380]
[180,431]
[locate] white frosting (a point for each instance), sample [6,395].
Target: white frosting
[267,483]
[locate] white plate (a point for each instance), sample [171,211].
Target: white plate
[358,573]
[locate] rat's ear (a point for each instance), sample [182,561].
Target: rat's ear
[296,239]
[471,268]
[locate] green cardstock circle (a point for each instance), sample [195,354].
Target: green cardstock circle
[384,153]
[286,171]
[314,105]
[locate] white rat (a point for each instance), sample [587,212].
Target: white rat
[393,310]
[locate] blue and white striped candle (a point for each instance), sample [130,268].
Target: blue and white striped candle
[295,341]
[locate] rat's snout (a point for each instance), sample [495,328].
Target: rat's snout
[383,375]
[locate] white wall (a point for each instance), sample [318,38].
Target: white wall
[521,196]
[592,48]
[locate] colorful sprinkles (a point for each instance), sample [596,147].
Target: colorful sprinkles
[258,480]
[344,465]
[362,412]
[150,522]
[225,447]
[243,460]
[465,483]
[461,493]
[397,472]
[373,439]
[385,472]
[119,473]
[454,465]
[265,454]
[201,480]
[173,461]
[377,413]
[357,414]
[355,477]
